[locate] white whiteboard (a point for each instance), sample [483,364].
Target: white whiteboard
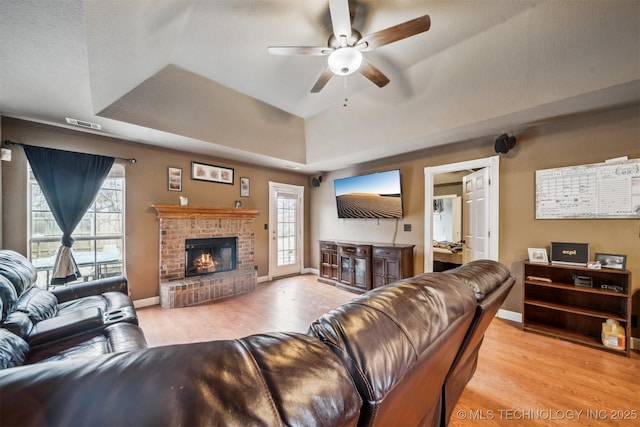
[599,190]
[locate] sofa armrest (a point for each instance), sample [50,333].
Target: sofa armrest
[94,287]
[65,326]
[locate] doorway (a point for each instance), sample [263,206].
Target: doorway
[488,228]
[286,215]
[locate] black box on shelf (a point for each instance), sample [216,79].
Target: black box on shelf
[584,281]
[569,253]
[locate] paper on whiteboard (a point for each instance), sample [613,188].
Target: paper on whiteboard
[589,191]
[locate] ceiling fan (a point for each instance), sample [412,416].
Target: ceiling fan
[345,46]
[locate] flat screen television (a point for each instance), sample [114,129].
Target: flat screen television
[375,195]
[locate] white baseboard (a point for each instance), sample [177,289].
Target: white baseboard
[509,315]
[303,271]
[146,302]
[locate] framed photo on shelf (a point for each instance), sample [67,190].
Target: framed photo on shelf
[174,179]
[617,262]
[211,173]
[244,187]
[538,255]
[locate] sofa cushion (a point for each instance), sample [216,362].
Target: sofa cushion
[482,276]
[117,338]
[107,302]
[38,303]
[19,323]
[18,269]
[13,349]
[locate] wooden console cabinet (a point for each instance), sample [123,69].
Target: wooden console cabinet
[360,266]
[554,306]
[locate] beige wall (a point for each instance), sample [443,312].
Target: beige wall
[146,185]
[583,140]
[590,139]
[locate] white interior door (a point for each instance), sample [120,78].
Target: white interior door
[475,196]
[286,229]
[492,164]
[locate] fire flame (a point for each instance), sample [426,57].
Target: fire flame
[205,263]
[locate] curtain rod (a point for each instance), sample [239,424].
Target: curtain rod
[7,142]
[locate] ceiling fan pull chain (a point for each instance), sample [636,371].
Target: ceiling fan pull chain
[346,100]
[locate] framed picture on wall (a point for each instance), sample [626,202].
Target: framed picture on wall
[211,173]
[174,179]
[244,187]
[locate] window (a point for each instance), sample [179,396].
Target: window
[99,238]
[287,228]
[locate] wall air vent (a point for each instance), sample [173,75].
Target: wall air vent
[84,124]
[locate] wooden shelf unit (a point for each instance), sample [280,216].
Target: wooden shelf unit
[561,309]
[361,266]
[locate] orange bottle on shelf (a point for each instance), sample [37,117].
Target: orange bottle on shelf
[613,335]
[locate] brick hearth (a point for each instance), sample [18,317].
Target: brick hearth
[178,223]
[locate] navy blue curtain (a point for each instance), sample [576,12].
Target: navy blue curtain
[70,182]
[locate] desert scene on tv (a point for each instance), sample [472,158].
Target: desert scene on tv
[369,196]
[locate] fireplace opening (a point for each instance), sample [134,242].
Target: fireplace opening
[206,256]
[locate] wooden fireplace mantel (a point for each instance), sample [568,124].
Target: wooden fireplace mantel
[189,212]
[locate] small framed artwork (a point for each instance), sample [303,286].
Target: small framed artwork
[538,255]
[244,187]
[618,262]
[174,179]
[211,173]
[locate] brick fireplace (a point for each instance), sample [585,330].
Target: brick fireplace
[179,223]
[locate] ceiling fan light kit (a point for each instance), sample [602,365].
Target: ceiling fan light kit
[345,61]
[345,46]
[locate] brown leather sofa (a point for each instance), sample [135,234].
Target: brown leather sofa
[38,324]
[381,359]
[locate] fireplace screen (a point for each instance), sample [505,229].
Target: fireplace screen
[205,256]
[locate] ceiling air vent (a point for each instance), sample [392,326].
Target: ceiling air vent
[84,124]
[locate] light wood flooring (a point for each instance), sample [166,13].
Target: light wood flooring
[522,379]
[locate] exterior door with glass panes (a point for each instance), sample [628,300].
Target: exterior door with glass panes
[285,229]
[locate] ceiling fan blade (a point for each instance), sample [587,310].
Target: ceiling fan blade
[373,74]
[299,50]
[322,81]
[340,19]
[397,32]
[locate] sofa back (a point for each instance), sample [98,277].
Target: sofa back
[17,269]
[272,379]
[17,275]
[399,342]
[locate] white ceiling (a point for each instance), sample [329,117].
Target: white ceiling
[195,74]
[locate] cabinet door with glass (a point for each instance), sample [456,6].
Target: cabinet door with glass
[354,261]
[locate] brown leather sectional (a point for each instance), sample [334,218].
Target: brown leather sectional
[390,356]
[88,319]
